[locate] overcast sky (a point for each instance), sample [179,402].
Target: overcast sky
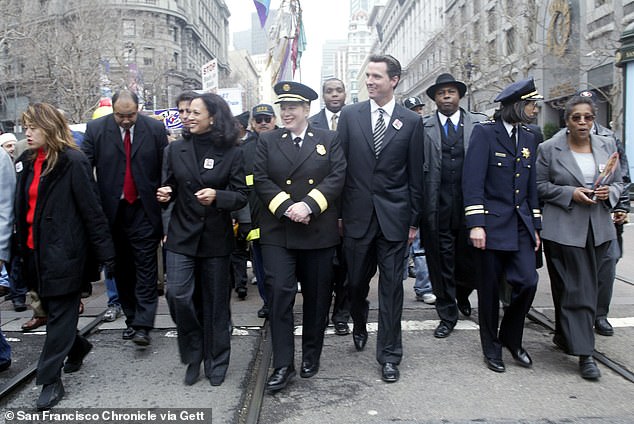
[323,20]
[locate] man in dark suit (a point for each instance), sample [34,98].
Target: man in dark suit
[334,94]
[446,141]
[503,217]
[299,173]
[381,204]
[126,149]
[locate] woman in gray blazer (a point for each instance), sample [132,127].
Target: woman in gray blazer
[577,226]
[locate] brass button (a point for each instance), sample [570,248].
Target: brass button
[517,206]
[311,181]
[517,191]
[499,163]
[517,175]
[288,182]
[518,159]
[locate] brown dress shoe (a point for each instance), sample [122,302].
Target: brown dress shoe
[34,323]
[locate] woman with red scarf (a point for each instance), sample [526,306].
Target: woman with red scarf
[60,226]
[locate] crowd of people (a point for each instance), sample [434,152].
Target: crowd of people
[322,202]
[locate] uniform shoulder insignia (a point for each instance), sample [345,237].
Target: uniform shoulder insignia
[488,122]
[527,128]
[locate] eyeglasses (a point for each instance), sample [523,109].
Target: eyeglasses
[586,118]
[260,119]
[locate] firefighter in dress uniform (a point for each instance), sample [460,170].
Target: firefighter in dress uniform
[299,174]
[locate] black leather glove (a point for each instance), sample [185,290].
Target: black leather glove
[243,230]
[108,269]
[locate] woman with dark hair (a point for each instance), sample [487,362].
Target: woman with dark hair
[204,177]
[578,227]
[59,222]
[503,217]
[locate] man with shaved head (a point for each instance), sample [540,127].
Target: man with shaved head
[126,149]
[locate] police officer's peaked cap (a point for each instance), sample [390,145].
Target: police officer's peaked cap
[446,79]
[263,109]
[412,102]
[291,91]
[243,119]
[519,90]
[588,94]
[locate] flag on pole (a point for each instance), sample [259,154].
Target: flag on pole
[288,40]
[262,6]
[299,42]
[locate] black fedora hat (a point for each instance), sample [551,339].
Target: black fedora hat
[446,79]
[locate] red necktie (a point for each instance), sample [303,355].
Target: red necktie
[129,188]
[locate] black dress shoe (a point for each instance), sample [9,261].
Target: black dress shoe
[522,357]
[50,396]
[242,292]
[216,380]
[19,305]
[263,312]
[128,333]
[390,373]
[74,364]
[342,328]
[142,337]
[280,378]
[4,365]
[603,327]
[192,373]
[443,330]
[588,368]
[308,369]
[496,365]
[359,337]
[464,306]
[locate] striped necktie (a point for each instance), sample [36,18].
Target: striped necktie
[379,133]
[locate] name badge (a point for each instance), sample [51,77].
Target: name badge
[208,163]
[19,167]
[500,155]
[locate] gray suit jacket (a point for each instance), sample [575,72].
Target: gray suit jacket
[7,196]
[558,175]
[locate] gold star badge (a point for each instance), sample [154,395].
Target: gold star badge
[286,87]
[321,150]
[526,153]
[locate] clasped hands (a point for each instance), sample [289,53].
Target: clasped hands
[298,212]
[585,196]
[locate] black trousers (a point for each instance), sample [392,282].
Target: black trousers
[283,269]
[62,339]
[341,303]
[519,268]
[607,274]
[239,258]
[574,280]
[447,266]
[136,273]
[198,294]
[362,258]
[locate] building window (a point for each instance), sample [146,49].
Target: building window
[129,27]
[148,56]
[492,52]
[148,29]
[492,21]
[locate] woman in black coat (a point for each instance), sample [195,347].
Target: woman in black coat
[59,223]
[204,177]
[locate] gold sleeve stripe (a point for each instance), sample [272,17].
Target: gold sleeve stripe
[474,207]
[319,198]
[249,179]
[478,212]
[538,211]
[278,200]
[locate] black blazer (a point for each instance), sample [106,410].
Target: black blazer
[314,175]
[319,120]
[104,147]
[390,186]
[195,229]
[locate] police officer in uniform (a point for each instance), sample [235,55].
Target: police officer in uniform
[299,174]
[503,217]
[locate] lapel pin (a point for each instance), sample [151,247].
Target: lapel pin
[397,124]
[208,163]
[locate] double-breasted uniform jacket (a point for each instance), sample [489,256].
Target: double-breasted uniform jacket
[498,183]
[195,229]
[105,150]
[558,175]
[432,168]
[70,230]
[283,175]
[390,186]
